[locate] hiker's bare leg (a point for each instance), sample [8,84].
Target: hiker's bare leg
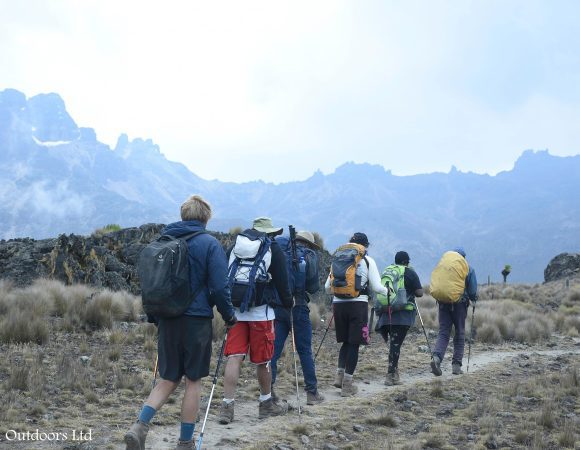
[231,375]
[264,378]
[190,402]
[160,393]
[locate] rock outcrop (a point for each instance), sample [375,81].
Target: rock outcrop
[107,261]
[565,265]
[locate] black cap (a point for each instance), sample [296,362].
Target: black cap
[360,238]
[402,258]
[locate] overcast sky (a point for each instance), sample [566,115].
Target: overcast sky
[274,90]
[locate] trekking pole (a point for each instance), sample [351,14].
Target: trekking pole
[423,326]
[470,337]
[324,336]
[295,366]
[155,371]
[215,377]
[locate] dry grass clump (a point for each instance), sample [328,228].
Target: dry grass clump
[567,438]
[497,321]
[19,327]
[573,297]
[25,312]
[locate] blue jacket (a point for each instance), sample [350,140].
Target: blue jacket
[209,271]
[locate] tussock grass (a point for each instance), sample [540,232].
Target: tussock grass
[567,438]
[26,312]
[385,420]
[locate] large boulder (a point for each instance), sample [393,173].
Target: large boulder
[565,265]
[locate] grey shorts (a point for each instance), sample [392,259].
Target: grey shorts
[184,347]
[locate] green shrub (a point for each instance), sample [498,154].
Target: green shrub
[106,229]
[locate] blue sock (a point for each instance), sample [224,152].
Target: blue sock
[186,431]
[147,414]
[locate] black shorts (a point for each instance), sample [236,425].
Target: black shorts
[184,347]
[351,322]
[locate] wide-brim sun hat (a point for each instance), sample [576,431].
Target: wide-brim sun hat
[264,224]
[308,237]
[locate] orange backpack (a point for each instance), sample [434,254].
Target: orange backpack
[344,281]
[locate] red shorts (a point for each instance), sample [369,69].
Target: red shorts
[257,337]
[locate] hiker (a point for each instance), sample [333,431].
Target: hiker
[395,322]
[255,252]
[305,282]
[185,342]
[453,314]
[350,281]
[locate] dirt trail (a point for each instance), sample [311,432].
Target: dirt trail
[246,425]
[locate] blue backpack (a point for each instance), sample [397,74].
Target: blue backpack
[302,271]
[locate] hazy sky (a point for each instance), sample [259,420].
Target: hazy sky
[275,90]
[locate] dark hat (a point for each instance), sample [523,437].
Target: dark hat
[360,238]
[402,258]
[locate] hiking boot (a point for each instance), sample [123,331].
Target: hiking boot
[135,437]
[456,369]
[348,388]
[338,379]
[268,408]
[436,366]
[226,414]
[393,378]
[185,445]
[313,398]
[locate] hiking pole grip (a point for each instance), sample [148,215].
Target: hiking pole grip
[215,378]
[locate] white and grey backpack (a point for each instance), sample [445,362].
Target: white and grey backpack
[248,269]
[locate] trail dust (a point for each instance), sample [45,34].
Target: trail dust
[246,428]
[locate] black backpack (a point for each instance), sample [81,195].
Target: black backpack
[163,269]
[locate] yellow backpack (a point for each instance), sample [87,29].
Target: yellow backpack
[448,278]
[344,282]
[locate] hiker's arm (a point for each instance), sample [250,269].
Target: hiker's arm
[471,285]
[280,275]
[415,283]
[219,289]
[375,278]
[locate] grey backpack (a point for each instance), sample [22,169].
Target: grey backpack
[163,269]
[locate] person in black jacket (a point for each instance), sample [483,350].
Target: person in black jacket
[184,345]
[305,274]
[394,325]
[254,331]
